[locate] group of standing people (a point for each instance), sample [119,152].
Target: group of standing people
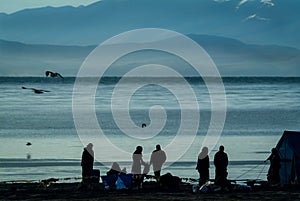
[158,158]
[220,162]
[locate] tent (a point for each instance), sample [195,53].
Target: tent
[288,148]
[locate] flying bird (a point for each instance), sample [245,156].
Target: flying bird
[36,91]
[53,74]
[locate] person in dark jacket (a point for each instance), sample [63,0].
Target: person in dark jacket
[158,158]
[221,163]
[87,162]
[273,173]
[203,166]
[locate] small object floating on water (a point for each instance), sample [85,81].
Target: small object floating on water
[36,91]
[53,74]
[144,125]
[28,144]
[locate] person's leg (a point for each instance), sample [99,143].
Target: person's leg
[223,178]
[276,177]
[157,175]
[84,174]
[200,181]
[217,176]
[137,180]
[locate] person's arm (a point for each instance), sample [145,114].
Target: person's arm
[268,159]
[142,161]
[226,160]
[85,158]
[165,157]
[151,159]
[197,167]
[208,165]
[91,159]
[215,160]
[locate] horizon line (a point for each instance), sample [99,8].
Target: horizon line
[188,76]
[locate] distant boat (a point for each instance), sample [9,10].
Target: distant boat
[53,74]
[36,91]
[28,144]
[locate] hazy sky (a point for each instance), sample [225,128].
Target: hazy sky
[11,6]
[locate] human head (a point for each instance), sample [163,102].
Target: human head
[203,153]
[205,150]
[89,146]
[139,149]
[115,166]
[158,147]
[221,148]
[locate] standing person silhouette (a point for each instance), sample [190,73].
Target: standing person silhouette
[138,161]
[136,169]
[273,173]
[221,163]
[87,162]
[158,158]
[203,166]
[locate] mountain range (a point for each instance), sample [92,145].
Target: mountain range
[232,58]
[251,21]
[243,37]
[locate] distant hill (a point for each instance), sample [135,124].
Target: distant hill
[236,58]
[232,57]
[23,59]
[253,22]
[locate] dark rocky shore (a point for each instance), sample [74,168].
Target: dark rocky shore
[75,191]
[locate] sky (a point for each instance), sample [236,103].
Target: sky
[11,6]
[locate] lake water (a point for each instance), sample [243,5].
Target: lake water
[258,111]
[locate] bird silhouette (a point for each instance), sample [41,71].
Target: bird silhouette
[36,91]
[53,74]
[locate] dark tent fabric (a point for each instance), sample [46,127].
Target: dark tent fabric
[289,152]
[111,181]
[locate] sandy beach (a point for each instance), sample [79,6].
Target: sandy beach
[74,191]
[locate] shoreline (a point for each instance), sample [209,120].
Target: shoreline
[41,169]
